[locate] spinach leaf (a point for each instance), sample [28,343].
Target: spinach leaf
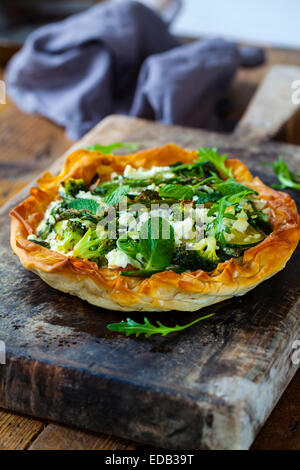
[230,186]
[156,243]
[84,204]
[204,197]
[176,191]
[114,196]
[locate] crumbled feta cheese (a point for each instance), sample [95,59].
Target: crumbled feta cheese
[241,223]
[118,259]
[141,173]
[89,195]
[259,204]
[201,215]
[183,229]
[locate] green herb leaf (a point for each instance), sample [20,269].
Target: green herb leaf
[114,196]
[129,246]
[204,197]
[156,243]
[107,149]
[130,327]
[212,156]
[286,177]
[230,186]
[176,191]
[84,204]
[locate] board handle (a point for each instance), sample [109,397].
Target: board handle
[274,103]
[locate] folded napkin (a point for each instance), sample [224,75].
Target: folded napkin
[119,57]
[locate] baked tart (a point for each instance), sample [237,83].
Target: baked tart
[160,229]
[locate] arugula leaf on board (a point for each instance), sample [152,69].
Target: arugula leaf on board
[115,195]
[176,191]
[156,243]
[84,204]
[130,327]
[286,177]
[212,156]
[106,149]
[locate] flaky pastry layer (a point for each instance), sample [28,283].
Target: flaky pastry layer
[166,290]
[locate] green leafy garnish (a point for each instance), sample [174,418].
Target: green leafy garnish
[114,196]
[230,186]
[212,156]
[130,327]
[156,243]
[107,149]
[84,204]
[176,191]
[287,178]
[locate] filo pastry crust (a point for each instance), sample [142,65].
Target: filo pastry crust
[166,290]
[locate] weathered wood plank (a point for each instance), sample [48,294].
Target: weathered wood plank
[272,105]
[282,430]
[17,432]
[233,368]
[56,437]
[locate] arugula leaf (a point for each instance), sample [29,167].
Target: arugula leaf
[114,146]
[212,156]
[84,204]
[230,186]
[219,226]
[155,246]
[130,327]
[220,207]
[286,177]
[115,195]
[176,191]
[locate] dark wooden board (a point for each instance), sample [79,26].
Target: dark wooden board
[212,386]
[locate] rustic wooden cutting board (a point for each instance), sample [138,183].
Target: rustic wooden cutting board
[212,386]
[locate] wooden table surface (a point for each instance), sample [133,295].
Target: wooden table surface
[28,146]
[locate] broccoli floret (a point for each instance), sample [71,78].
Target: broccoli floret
[92,247]
[71,187]
[70,235]
[202,256]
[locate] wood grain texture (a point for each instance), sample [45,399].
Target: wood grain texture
[240,94]
[17,432]
[212,387]
[282,430]
[272,106]
[56,437]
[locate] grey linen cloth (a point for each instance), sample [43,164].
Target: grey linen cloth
[119,57]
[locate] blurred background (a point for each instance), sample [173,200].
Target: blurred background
[271,22]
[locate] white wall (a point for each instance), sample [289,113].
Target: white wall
[274,22]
